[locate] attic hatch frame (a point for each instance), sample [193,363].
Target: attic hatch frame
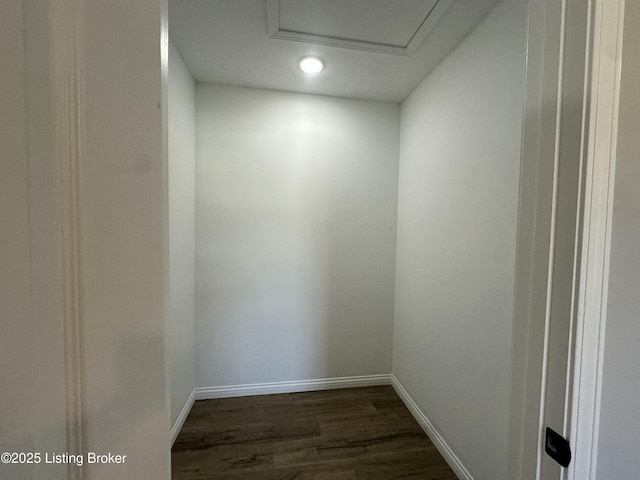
[274,31]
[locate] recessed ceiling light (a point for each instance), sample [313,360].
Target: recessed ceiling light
[311,64]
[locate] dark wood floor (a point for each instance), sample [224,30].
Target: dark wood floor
[348,434]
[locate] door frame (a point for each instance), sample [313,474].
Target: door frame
[545,55]
[548,47]
[68,147]
[71,64]
[597,208]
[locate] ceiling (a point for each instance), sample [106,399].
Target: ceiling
[372,49]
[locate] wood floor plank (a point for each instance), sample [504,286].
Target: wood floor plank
[348,434]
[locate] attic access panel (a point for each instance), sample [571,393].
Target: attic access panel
[396,27]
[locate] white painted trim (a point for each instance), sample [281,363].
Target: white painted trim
[600,71]
[434,435]
[229,391]
[432,19]
[68,127]
[339,42]
[273,17]
[598,204]
[533,251]
[429,22]
[182,416]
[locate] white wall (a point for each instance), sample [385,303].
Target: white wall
[182,177]
[619,439]
[295,235]
[457,207]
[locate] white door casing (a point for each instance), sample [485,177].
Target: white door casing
[574,51]
[108,117]
[599,175]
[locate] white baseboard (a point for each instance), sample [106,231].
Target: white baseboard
[186,408]
[445,450]
[206,393]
